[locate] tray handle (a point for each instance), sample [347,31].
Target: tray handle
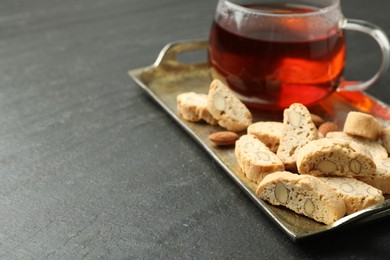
[168,55]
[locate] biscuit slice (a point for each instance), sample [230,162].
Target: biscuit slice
[357,195]
[255,159]
[363,125]
[377,151]
[193,107]
[268,132]
[335,157]
[381,178]
[224,106]
[304,194]
[385,138]
[298,130]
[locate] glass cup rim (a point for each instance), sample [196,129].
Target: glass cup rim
[323,10]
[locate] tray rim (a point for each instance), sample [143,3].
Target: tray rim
[364,216]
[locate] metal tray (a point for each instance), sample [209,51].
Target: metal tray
[168,77]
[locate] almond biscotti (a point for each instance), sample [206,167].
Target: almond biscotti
[385,138]
[377,151]
[357,195]
[363,125]
[255,159]
[381,178]
[335,157]
[298,130]
[304,194]
[268,132]
[192,107]
[224,106]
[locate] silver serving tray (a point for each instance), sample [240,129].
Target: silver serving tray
[168,77]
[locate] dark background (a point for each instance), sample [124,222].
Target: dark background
[91,167]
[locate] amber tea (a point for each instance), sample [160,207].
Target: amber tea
[269,67]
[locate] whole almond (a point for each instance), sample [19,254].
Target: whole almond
[327,127]
[317,120]
[223,138]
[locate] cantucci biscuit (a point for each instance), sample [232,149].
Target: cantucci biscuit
[377,151]
[268,132]
[298,130]
[381,178]
[335,157]
[224,106]
[193,107]
[304,194]
[363,125]
[385,137]
[255,159]
[357,195]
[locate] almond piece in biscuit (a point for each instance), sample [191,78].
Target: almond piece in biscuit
[304,194]
[381,178]
[224,106]
[335,157]
[298,130]
[357,195]
[255,159]
[377,151]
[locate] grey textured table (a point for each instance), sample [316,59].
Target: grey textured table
[92,168]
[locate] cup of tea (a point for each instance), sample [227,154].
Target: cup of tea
[275,53]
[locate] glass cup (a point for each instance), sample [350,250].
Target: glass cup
[275,53]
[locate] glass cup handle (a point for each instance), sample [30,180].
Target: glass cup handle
[380,36]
